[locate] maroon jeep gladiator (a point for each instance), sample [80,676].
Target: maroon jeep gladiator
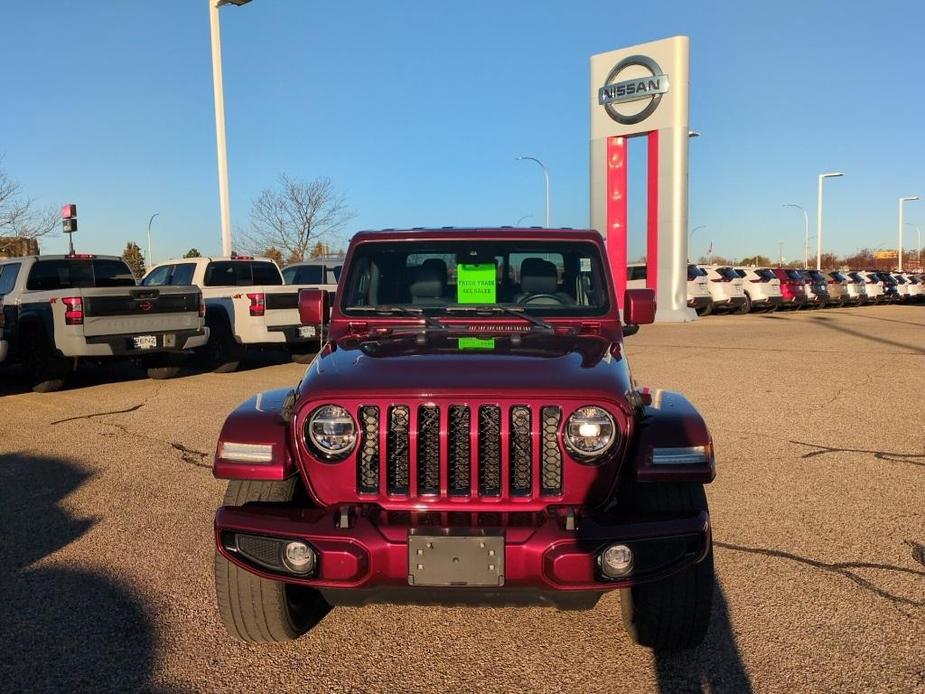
[469,433]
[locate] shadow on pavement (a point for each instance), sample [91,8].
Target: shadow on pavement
[62,629]
[715,666]
[825,321]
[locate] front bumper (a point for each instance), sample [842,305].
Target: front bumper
[768,301]
[541,553]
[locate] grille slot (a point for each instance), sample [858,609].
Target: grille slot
[428,449]
[521,452]
[398,450]
[368,460]
[550,455]
[489,450]
[458,450]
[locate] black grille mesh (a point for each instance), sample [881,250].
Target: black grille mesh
[521,453]
[368,460]
[428,449]
[489,450]
[398,450]
[550,455]
[458,448]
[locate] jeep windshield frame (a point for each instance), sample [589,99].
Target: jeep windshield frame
[477,277]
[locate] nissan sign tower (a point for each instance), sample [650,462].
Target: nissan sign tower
[642,91]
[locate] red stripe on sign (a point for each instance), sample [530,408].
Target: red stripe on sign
[652,214]
[616,211]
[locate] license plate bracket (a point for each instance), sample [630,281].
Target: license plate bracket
[455,560]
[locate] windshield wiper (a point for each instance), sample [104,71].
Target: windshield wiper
[518,312]
[429,321]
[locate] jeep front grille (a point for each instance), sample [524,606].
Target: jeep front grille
[434,451]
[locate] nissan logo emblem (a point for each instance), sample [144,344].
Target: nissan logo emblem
[615,92]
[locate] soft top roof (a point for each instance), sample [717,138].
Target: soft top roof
[540,234]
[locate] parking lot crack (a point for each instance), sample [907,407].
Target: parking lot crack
[190,456]
[845,569]
[133,408]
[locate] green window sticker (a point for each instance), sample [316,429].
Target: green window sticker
[476,343]
[475,283]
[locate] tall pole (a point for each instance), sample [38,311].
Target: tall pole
[221,145]
[805,232]
[819,217]
[899,248]
[150,257]
[918,248]
[780,254]
[546,176]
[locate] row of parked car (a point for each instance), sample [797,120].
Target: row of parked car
[59,310]
[713,288]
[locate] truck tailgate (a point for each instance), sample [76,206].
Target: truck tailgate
[140,310]
[283,303]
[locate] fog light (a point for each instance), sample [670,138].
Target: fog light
[617,561]
[299,557]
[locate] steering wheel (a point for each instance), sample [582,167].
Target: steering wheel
[523,301]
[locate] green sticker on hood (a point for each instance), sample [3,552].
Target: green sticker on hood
[475,283]
[476,343]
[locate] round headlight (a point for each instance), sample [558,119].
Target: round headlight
[331,432]
[589,432]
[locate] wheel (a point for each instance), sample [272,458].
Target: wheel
[746,307]
[161,367]
[705,310]
[674,613]
[256,609]
[222,353]
[46,372]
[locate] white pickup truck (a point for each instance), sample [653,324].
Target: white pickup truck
[56,310]
[247,306]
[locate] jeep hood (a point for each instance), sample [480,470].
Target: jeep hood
[589,367]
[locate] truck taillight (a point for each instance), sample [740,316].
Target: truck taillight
[73,310]
[202,307]
[258,304]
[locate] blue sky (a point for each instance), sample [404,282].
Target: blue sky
[417,110]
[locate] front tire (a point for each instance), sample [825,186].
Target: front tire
[674,613]
[256,609]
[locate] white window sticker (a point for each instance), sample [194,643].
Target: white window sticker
[586,264]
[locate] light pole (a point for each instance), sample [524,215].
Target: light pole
[805,232]
[819,217]
[219,93]
[150,259]
[691,232]
[918,247]
[899,263]
[546,176]
[517,223]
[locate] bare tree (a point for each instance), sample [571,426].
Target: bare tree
[294,215]
[20,216]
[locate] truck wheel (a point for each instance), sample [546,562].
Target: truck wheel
[253,608]
[674,613]
[706,310]
[222,353]
[46,372]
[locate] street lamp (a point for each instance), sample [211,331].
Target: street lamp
[918,248]
[805,232]
[819,217]
[546,175]
[219,93]
[150,259]
[899,264]
[517,223]
[691,232]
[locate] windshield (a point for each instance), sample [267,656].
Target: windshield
[442,277]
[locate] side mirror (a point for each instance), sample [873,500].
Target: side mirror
[639,306]
[313,307]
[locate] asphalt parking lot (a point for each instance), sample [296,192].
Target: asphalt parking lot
[106,499]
